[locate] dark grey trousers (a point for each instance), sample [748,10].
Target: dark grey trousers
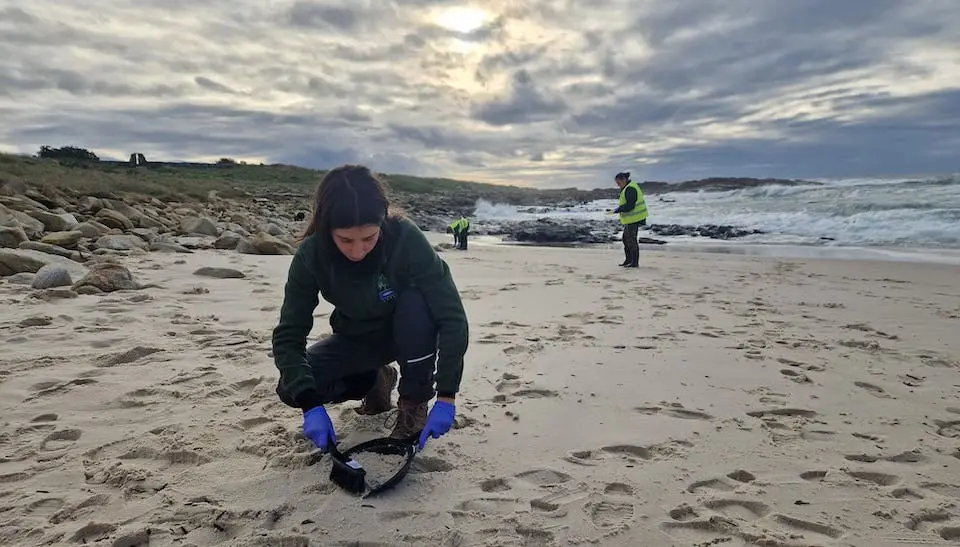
[345,367]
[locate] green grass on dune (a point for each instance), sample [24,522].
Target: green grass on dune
[197,180]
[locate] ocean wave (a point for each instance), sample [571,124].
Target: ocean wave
[863,212]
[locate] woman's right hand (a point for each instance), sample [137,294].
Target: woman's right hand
[318,428]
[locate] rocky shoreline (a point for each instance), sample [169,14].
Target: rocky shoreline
[65,243]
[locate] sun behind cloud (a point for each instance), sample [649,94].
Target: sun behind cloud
[462,19]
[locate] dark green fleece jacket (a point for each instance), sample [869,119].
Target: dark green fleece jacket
[402,259]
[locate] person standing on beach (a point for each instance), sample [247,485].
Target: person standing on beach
[633,214]
[394,300]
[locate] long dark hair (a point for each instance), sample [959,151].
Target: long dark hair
[347,196]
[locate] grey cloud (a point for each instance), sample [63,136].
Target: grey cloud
[311,14]
[75,83]
[527,103]
[17,15]
[664,90]
[213,85]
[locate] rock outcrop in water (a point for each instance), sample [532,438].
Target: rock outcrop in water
[585,232]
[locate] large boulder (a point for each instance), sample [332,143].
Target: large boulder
[11,217]
[106,277]
[121,242]
[227,240]
[48,248]
[14,261]
[200,226]
[51,276]
[53,222]
[12,236]
[65,239]
[264,244]
[92,229]
[22,203]
[114,219]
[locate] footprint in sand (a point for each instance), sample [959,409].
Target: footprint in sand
[874,390]
[950,533]
[800,365]
[44,507]
[556,503]
[45,389]
[251,423]
[495,485]
[674,410]
[742,476]
[544,477]
[794,525]
[131,355]
[746,510]
[238,390]
[949,429]
[906,493]
[791,412]
[491,505]
[79,510]
[430,464]
[879,479]
[609,512]
[912,456]
[139,465]
[946,490]
[57,444]
[93,532]
[632,454]
[718,484]
[715,530]
[795,376]
[510,385]
[619,489]
[683,512]
[920,521]
[146,396]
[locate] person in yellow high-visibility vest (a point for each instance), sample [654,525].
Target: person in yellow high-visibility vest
[633,214]
[460,228]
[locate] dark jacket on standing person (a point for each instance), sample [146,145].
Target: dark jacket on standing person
[363,295]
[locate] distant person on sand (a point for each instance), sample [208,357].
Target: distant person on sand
[633,214]
[460,229]
[394,300]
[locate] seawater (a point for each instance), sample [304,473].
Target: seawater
[888,213]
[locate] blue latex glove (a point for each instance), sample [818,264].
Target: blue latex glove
[439,421]
[318,428]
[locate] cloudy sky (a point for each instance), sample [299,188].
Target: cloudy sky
[541,92]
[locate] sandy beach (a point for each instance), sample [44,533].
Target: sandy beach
[703,399]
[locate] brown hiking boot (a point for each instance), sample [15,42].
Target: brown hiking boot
[378,398]
[411,419]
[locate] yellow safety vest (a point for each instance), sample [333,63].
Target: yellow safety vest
[458,225]
[639,211]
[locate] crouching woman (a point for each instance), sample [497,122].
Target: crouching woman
[394,300]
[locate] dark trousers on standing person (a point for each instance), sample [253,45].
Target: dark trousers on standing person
[631,245]
[353,368]
[463,239]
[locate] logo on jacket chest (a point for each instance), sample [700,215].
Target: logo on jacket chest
[384,291]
